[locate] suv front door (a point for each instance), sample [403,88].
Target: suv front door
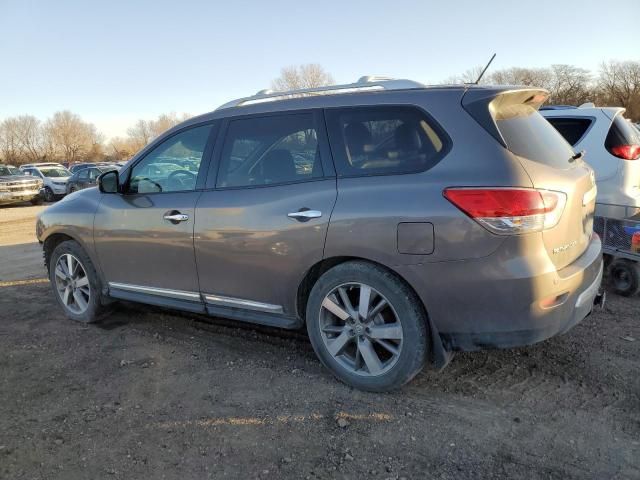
[144,236]
[264,224]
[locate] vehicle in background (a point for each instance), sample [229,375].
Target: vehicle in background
[86,177]
[54,177]
[612,146]
[398,222]
[16,187]
[80,165]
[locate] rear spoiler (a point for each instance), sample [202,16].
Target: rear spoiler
[485,104]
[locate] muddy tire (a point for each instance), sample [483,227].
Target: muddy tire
[367,326]
[75,283]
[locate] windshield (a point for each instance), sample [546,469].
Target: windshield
[7,171]
[55,172]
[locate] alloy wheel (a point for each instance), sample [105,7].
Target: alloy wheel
[72,284]
[360,329]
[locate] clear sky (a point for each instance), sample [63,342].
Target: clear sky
[116,61]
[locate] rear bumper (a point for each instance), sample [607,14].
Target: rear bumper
[512,298]
[559,324]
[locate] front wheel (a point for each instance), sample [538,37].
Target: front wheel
[75,283]
[48,195]
[367,327]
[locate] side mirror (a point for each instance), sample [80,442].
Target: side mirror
[109,182]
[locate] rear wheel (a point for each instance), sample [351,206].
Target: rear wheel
[75,283]
[625,276]
[367,326]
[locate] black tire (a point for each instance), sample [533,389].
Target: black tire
[96,308]
[36,200]
[49,195]
[624,276]
[407,307]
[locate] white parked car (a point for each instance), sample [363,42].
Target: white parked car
[54,177]
[612,148]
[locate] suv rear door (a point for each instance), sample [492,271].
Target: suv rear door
[548,160]
[262,224]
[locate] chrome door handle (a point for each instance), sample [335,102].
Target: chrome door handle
[174,217]
[304,215]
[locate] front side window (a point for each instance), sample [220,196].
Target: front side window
[95,173]
[383,140]
[173,165]
[270,150]
[83,174]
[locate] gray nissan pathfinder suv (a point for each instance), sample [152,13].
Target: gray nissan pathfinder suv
[398,222]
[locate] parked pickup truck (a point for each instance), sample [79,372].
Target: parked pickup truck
[16,187]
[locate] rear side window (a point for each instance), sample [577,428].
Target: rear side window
[529,135]
[383,140]
[572,129]
[274,149]
[621,133]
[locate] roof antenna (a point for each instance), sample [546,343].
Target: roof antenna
[485,69]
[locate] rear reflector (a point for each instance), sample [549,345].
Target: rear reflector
[509,211]
[626,152]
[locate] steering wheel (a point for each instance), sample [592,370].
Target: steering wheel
[173,177]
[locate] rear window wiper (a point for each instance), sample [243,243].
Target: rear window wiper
[577,156]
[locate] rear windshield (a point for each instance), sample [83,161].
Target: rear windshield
[572,129]
[621,133]
[529,135]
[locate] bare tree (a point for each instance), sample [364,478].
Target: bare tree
[469,76]
[569,85]
[10,142]
[139,134]
[144,131]
[30,137]
[72,137]
[619,84]
[296,77]
[532,77]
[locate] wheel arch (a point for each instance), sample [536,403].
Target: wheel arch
[440,357]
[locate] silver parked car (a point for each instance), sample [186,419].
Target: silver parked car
[16,187]
[399,223]
[612,144]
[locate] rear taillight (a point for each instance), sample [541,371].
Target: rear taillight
[509,211]
[635,242]
[626,152]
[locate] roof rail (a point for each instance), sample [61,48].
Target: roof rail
[364,84]
[588,105]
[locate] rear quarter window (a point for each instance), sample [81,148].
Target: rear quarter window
[528,134]
[572,129]
[384,140]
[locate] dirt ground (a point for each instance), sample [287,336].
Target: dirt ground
[156,394]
